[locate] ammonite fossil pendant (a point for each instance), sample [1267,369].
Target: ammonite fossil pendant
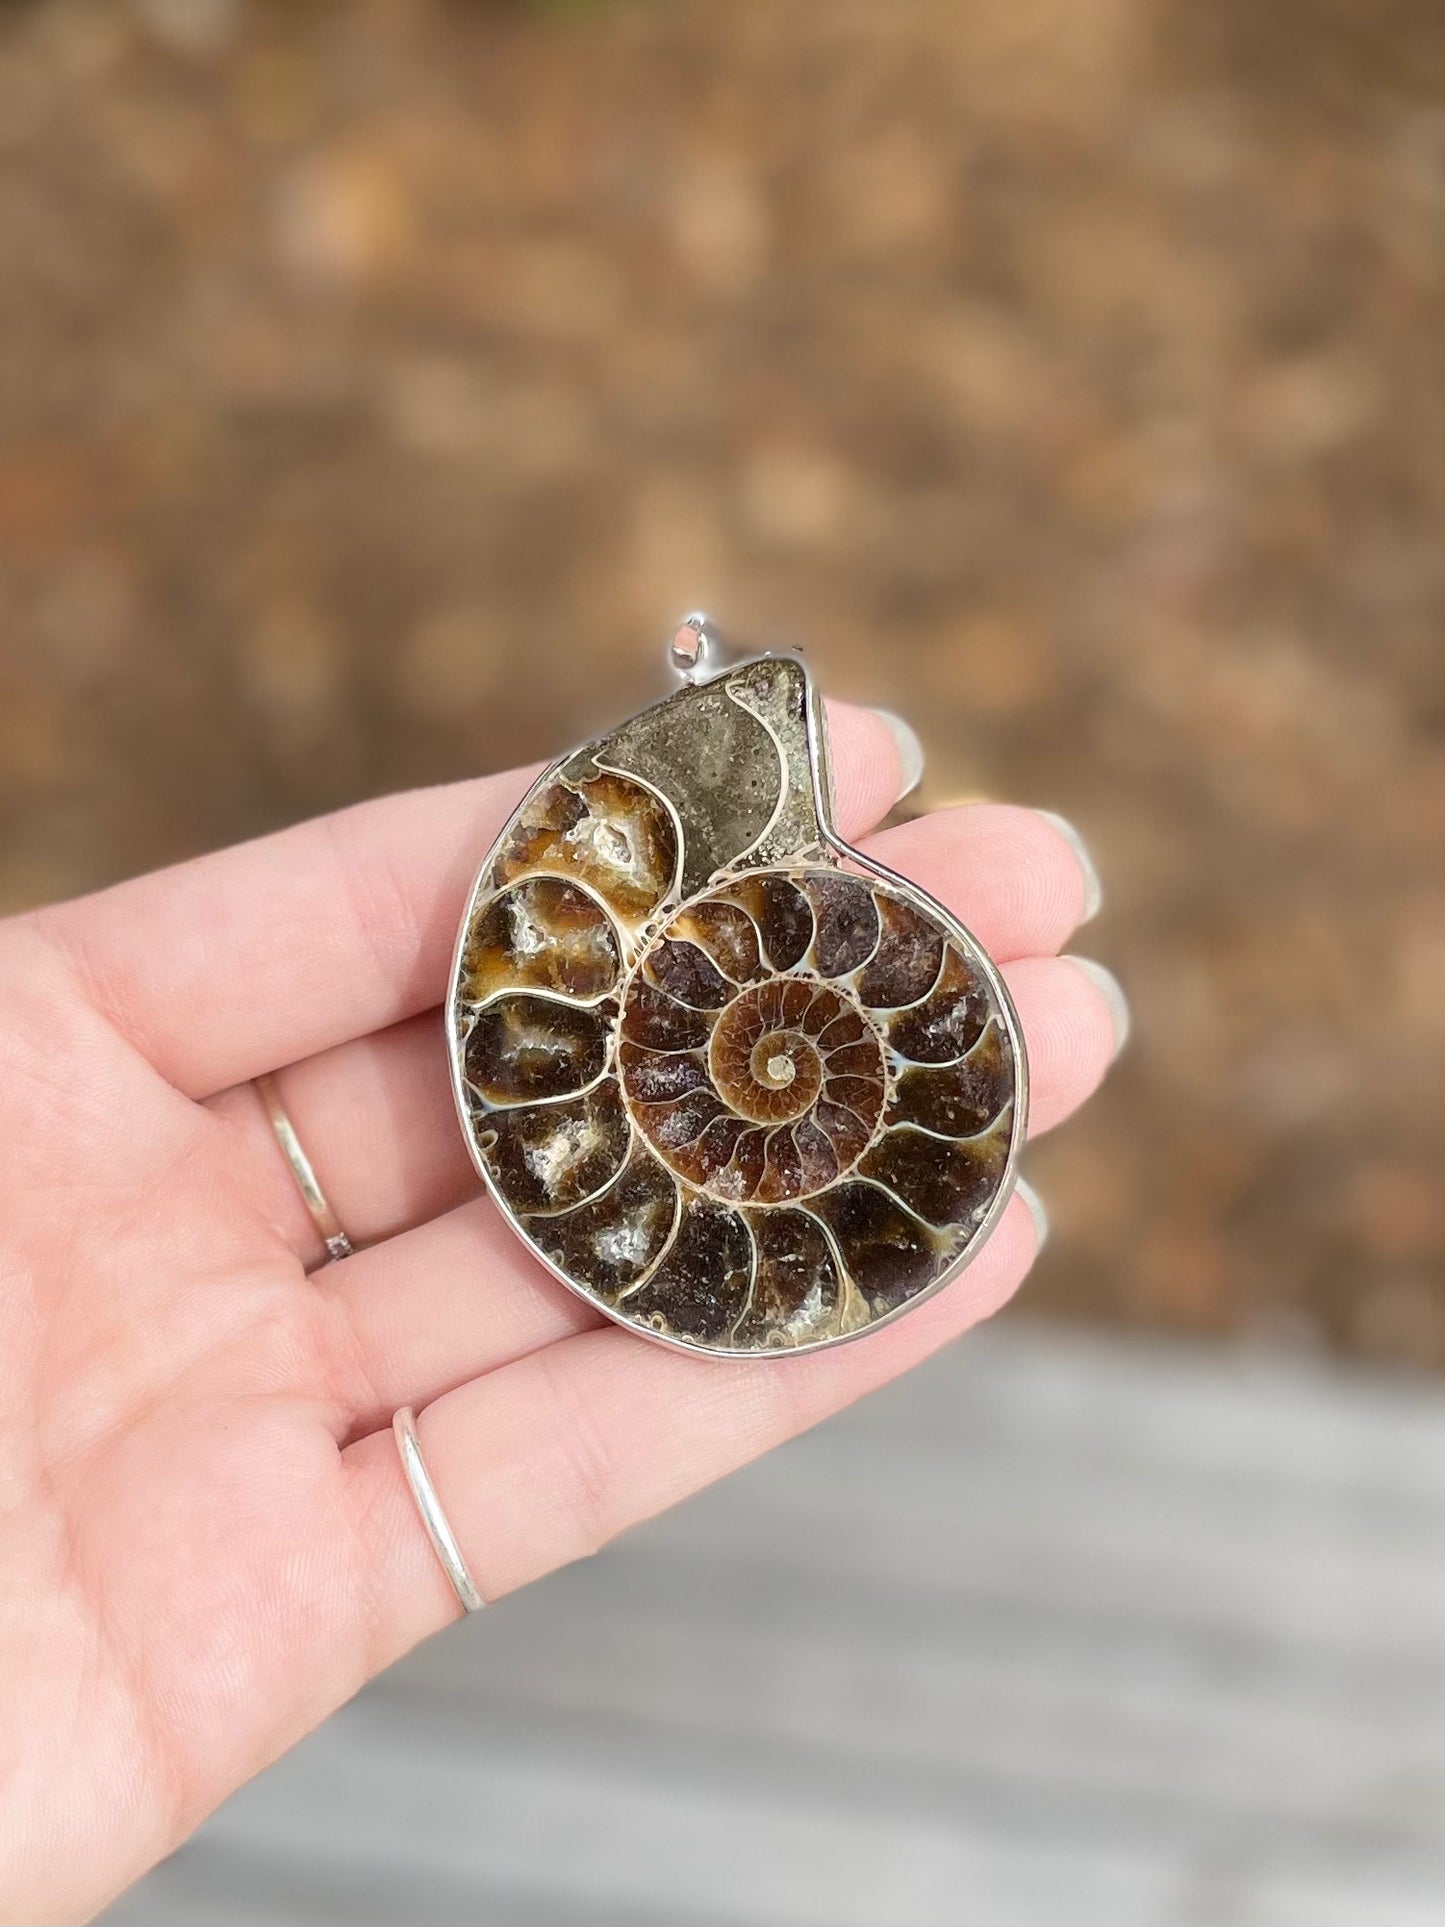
[739,1086]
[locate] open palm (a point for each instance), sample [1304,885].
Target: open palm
[206,1542]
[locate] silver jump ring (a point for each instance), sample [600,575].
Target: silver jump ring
[438,1528]
[338,1245]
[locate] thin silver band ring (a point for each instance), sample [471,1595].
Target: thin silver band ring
[438,1528]
[338,1245]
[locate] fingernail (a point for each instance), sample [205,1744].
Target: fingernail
[1112,992]
[1036,1211]
[910,751]
[1093,889]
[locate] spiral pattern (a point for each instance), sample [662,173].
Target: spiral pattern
[784,1085]
[762,1118]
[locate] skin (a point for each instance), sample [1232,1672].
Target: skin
[206,1544]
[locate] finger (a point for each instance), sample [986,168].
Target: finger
[274,950]
[1075,1022]
[405,1321]
[376,1115]
[1021,880]
[377,1121]
[425,1312]
[549,1458]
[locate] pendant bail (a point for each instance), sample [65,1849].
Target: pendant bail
[694,646]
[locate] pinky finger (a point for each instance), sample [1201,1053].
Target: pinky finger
[546,1459]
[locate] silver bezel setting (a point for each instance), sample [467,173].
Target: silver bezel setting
[844,855]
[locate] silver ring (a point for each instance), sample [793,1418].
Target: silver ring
[338,1245]
[438,1528]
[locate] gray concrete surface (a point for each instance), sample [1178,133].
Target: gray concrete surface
[1066,1631]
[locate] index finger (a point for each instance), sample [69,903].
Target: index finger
[250,958]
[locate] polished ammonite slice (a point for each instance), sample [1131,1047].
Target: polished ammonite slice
[736,1086]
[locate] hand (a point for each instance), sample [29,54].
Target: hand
[206,1542]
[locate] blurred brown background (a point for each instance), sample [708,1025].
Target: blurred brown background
[378,383]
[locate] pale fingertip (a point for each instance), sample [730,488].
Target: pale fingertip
[1112,992]
[1037,1211]
[910,751]
[867,767]
[1093,888]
